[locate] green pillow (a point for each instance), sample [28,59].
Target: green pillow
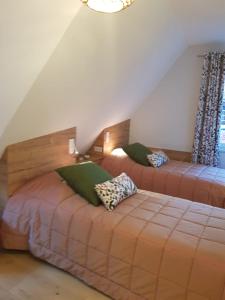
[138,153]
[82,178]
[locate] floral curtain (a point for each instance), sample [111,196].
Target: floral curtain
[207,129]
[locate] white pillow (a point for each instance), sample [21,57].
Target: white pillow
[112,192]
[157,159]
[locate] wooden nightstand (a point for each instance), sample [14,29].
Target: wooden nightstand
[94,158]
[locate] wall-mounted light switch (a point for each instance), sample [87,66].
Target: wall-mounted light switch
[98,149]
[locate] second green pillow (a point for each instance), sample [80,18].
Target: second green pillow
[138,153]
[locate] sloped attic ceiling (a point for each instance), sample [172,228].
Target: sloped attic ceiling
[102,63]
[103,67]
[29,33]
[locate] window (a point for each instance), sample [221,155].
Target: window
[222,126]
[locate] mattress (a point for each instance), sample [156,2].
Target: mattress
[151,246]
[180,179]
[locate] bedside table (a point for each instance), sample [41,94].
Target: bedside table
[93,158]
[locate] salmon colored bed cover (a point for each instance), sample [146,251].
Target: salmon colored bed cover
[151,246]
[194,182]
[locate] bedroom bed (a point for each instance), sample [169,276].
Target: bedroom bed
[175,178]
[151,246]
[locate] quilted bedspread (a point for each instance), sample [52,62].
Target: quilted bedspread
[180,179]
[151,246]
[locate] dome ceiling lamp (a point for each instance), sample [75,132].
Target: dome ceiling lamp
[108,6]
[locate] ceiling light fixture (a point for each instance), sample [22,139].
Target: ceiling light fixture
[108,6]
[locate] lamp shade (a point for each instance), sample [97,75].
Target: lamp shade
[108,6]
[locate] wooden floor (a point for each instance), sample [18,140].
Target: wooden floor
[23,277]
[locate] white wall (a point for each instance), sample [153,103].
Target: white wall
[167,117]
[103,68]
[202,21]
[100,71]
[29,32]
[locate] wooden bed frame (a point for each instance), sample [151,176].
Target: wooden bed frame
[25,160]
[118,136]
[175,155]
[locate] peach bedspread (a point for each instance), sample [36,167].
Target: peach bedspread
[151,247]
[198,183]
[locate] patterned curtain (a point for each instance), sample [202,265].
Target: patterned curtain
[207,129]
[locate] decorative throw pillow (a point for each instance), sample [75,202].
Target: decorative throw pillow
[114,191]
[163,154]
[138,153]
[83,177]
[157,159]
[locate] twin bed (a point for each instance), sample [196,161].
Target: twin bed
[175,178]
[152,246]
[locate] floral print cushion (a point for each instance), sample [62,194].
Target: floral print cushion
[157,159]
[163,154]
[112,192]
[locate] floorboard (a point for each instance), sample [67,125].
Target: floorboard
[22,277]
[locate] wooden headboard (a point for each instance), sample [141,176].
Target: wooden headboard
[175,154]
[26,160]
[115,136]
[119,137]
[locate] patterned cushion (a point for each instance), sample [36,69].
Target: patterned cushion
[112,192]
[163,154]
[157,159]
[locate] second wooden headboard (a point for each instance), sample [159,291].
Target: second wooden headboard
[26,160]
[112,137]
